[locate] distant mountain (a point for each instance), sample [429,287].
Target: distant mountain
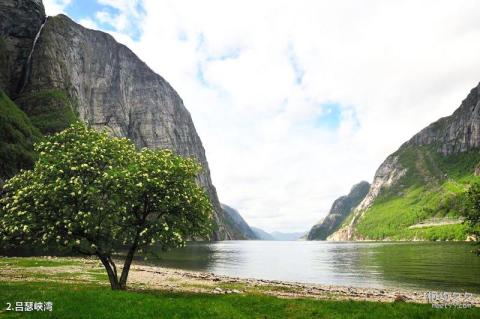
[236,221]
[261,234]
[304,237]
[287,236]
[415,192]
[341,207]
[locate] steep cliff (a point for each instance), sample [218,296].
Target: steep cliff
[236,221]
[19,24]
[457,133]
[414,194]
[58,71]
[340,209]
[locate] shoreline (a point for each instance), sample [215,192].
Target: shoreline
[149,277]
[285,289]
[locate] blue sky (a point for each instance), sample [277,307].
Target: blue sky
[296,101]
[83,10]
[330,117]
[79,10]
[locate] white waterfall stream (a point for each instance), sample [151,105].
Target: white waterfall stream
[28,64]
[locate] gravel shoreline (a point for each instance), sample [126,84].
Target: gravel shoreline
[175,279]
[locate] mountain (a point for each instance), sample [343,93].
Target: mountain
[287,236]
[19,23]
[276,235]
[340,209]
[415,191]
[17,135]
[261,234]
[236,221]
[54,72]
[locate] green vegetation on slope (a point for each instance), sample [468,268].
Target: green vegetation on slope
[17,135]
[51,111]
[430,189]
[94,301]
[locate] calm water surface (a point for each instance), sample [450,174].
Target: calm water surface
[435,266]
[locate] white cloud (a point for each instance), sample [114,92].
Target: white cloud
[54,7]
[125,19]
[255,74]
[89,23]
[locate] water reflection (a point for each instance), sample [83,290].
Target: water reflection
[195,256]
[448,265]
[439,266]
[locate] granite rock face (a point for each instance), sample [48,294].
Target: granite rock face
[236,221]
[79,73]
[19,23]
[457,133]
[341,208]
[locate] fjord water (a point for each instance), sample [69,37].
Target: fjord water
[440,266]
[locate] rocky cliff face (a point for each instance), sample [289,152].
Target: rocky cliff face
[77,73]
[236,221]
[427,162]
[459,132]
[389,172]
[340,209]
[19,23]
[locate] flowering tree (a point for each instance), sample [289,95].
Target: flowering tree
[93,194]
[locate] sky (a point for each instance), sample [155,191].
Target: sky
[297,101]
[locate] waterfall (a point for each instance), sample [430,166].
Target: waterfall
[26,74]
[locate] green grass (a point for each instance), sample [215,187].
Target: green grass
[92,301]
[99,275]
[25,266]
[58,276]
[430,188]
[17,135]
[27,262]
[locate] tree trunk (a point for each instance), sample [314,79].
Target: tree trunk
[128,262]
[112,275]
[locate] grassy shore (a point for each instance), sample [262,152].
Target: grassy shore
[78,289]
